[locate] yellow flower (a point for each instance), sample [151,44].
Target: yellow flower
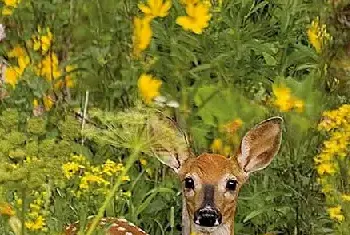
[88,178]
[143,162]
[187,2]
[155,8]
[17,51]
[326,168]
[48,102]
[216,146]
[7,11]
[69,77]
[314,39]
[197,18]
[19,202]
[346,197]
[43,42]
[34,207]
[69,169]
[126,178]
[23,61]
[283,97]
[335,213]
[148,87]
[11,3]
[142,34]
[35,103]
[335,118]
[12,74]
[109,168]
[284,100]
[36,225]
[317,35]
[48,67]
[6,209]
[95,169]
[34,214]
[79,158]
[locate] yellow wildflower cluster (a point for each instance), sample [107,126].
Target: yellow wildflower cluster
[43,41]
[48,68]
[94,179]
[285,101]
[155,8]
[35,219]
[332,162]
[9,7]
[142,26]
[148,87]
[13,73]
[318,35]
[335,118]
[230,132]
[196,20]
[336,213]
[48,102]
[198,16]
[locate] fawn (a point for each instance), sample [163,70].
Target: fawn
[210,182]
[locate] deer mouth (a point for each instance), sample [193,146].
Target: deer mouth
[204,229]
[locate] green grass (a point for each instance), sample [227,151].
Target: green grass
[226,73]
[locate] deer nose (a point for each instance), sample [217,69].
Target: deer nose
[208,217]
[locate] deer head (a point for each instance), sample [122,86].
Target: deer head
[211,182]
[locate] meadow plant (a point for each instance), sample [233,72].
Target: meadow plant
[84,83]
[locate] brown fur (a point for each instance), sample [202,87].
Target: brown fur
[258,147]
[211,169]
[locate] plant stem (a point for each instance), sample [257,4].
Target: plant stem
[84,115]
[112,192]
[23,214]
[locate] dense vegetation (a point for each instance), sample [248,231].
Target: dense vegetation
[81,78]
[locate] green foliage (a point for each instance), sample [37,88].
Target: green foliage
[227,73]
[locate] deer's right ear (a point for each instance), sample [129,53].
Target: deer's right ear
[260,145]
[169,143]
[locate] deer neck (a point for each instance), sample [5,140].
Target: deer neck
[188,227]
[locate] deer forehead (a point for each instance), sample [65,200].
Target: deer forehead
[212,168]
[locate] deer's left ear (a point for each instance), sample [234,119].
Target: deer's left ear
[260,145]
[170,144]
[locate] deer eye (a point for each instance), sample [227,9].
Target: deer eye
[231,185]
[189,183]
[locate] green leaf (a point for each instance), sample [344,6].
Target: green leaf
[270,60]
